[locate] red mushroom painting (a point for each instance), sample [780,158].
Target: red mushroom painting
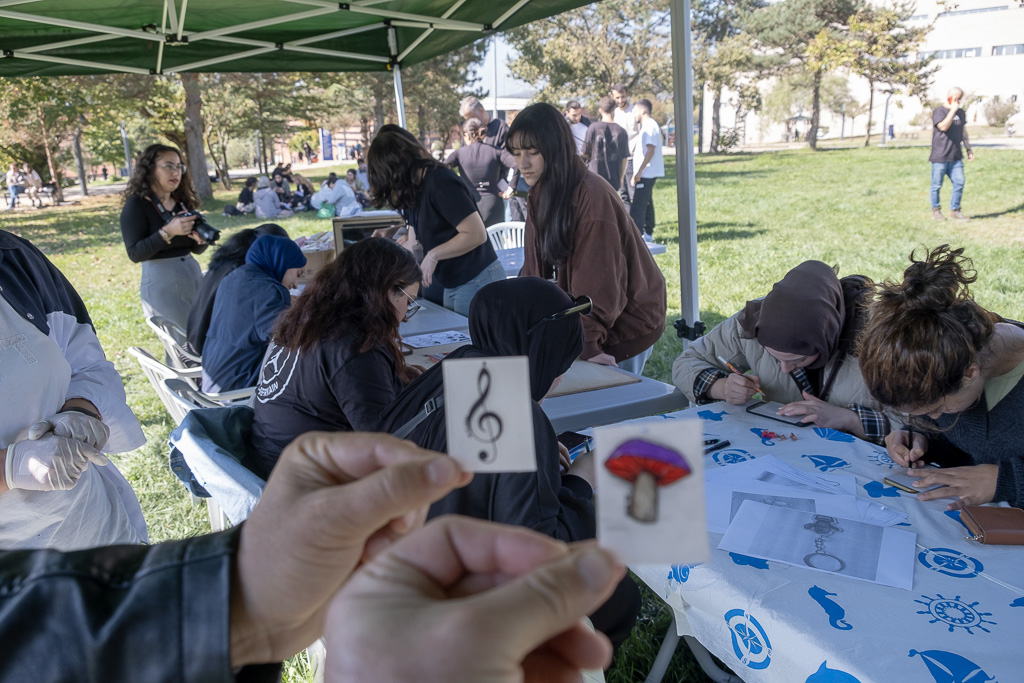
[647,466]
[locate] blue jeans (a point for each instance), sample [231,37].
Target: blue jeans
[15,190]
[457,298]
[955,171]
[636,363]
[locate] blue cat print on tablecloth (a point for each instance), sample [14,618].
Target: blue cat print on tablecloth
[877,489]
[747,560]
[836,613]
[827,675]
[833,435]
[711,415]
[749,640]
[827,463]
[949,667]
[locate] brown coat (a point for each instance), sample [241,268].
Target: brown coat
[611,264]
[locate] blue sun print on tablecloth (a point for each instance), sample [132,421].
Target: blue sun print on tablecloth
[749,640]
[882,459]
[747,560]
[730,456]
[827,463]
[950,562]
[955,613]
[710,415]
[833,435]
[877,489]
[949,667]
[827,675]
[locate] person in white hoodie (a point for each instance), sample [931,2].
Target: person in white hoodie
[336,191]
[268,203]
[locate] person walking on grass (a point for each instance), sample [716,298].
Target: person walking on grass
[949,132]
[648,166]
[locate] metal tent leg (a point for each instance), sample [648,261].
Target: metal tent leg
[707,664]
[665,652]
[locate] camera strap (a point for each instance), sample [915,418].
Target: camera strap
[166,215]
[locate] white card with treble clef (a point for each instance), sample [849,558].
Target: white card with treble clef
[489,414]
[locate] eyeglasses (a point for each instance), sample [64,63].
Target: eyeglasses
[171,168]
[412,307]
[582,304]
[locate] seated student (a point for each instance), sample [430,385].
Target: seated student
[268,204]
[336,192]
[247,304]
[61,407]
[304,191]
[517,317]
[334,364]
[798,342]
[229,256]
[357,186]
[246,199]
[932,352]
[281,186]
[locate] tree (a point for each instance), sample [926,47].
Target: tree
[194,130]
[998,111]
[583,52]
[786,31]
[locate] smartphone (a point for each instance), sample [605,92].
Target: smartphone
[575,443]
[904,482]
[770,410]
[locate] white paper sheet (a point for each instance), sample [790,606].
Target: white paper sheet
[724,500]
[421,341]
[823,543]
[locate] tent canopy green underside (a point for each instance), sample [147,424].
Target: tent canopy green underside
[288,43]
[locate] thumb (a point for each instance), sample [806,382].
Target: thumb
[84,450]
[554,597]
[40,428]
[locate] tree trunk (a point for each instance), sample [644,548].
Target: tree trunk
[871,103]
[378,112]
[226,178]
[700,123]
[194,136]
[221,171]
[716,119]
[58,193]
[79,161]
[812,132]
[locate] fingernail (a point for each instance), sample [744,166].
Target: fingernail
[441,471]
[596,567]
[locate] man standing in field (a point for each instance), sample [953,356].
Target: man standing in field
[949,131]
[624,117]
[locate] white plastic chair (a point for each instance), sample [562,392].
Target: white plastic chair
[174,339]
[507,235]
[156,372]
[186,397]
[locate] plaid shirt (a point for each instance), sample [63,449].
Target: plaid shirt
[875,422]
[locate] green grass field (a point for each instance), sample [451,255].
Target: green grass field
[758,215]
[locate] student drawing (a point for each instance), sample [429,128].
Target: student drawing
[647,466]
[483,425]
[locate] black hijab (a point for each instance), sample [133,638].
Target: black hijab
[499,317]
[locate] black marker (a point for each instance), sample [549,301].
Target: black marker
[712,445]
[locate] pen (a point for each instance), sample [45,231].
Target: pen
[733,368]
[715,445]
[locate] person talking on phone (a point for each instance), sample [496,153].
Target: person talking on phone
[797,343]
[159,235]
[949,132]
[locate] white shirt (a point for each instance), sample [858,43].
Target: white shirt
[649,134]
[579,134]
[624,117]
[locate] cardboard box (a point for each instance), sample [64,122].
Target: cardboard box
[315,260]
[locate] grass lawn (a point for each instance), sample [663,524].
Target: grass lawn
[758,216]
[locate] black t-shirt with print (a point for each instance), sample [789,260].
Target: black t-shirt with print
[946,144]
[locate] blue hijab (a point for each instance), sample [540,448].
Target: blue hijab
[274,255]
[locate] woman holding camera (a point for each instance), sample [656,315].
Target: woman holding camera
[159,235]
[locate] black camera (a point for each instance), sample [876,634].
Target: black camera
[209,233]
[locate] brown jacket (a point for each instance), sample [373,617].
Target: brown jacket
[610,263]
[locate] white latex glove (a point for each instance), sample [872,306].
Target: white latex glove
[49,463]
[73,425]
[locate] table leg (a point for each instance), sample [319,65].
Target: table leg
[707,664]
[665,652]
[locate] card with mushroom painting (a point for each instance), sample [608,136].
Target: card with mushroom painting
[650,491]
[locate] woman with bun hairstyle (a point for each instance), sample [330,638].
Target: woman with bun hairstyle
[484,166]
[955,368]
[159,235]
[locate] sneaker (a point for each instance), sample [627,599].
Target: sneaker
[937,214]
[956,215]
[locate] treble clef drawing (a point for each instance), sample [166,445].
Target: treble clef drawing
[482,424]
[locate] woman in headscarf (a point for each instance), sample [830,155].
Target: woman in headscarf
[334,364]
[228,257]
[520,317]
[247,304]
[798,345]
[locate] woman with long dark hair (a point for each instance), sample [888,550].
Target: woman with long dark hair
[484,167]
[441,210]
[956,370]
[334,363]
[159,237]
[579,233]
[229,256]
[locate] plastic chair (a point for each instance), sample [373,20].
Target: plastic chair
[174,339]
[507,235]
[156,372]
[185,397]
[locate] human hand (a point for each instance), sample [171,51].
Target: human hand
[332,502]
[564,461]
[634,180]
[972,485]
[970,155]
[427,266]
[735,389]
[603,359]
[73,425]
[48,463]
[507,194]
[824,414]
[180,225]
[472,601]
[903,451]
[411,372]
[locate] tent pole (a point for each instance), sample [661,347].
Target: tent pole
[689,327]
[399,103]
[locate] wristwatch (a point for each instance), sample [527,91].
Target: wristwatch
[165,235]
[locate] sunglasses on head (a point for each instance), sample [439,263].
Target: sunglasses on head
[582,304]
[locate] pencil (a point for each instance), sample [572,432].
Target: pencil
[757,385]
